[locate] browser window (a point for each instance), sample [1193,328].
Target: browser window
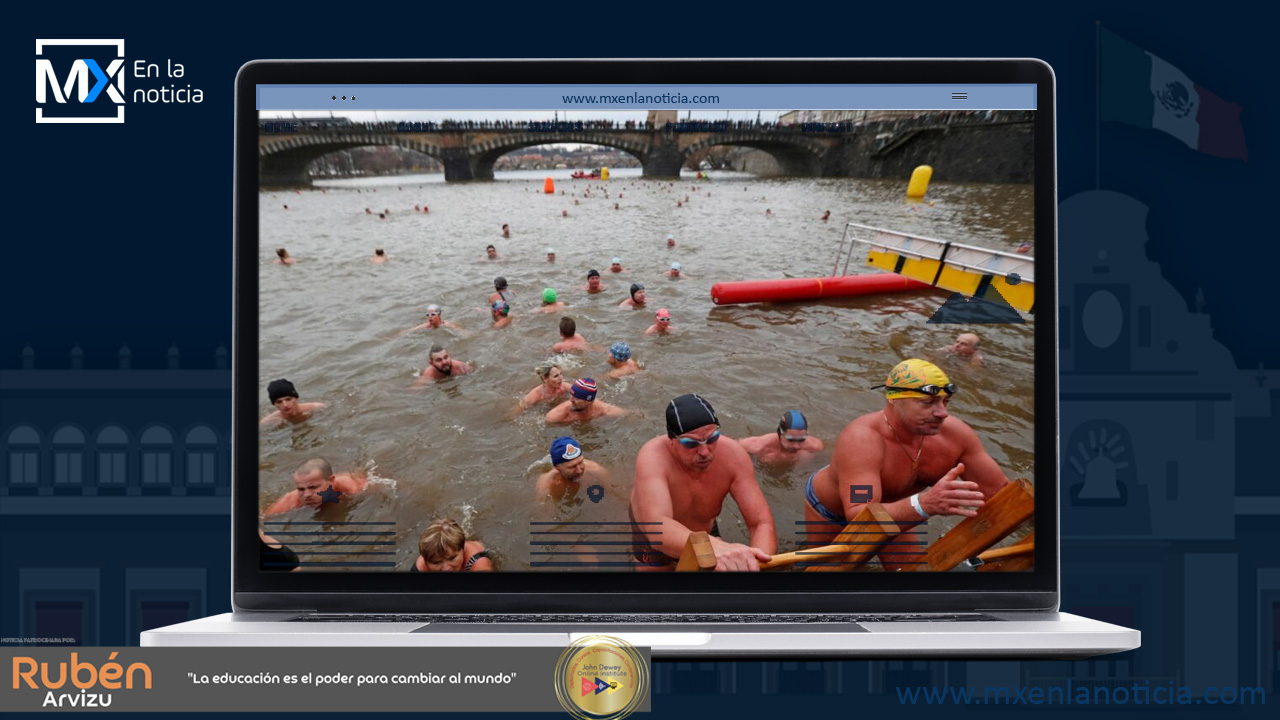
[558,328]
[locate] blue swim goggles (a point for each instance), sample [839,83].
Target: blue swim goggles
[690,443]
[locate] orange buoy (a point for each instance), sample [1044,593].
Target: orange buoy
[793,289]
[549,186]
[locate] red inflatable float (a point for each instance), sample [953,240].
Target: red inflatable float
[792,289]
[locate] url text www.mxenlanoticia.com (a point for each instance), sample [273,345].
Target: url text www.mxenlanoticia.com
[1136,693]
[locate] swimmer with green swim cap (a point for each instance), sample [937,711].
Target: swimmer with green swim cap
[551,301]
[913,457]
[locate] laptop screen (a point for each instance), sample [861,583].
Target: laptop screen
[570,328]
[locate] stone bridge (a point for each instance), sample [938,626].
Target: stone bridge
[470,154]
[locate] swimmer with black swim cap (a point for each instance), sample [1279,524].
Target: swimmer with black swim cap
[682,479]
[503,292]
[637,297]
[789,443]
[284,396]
[594,285]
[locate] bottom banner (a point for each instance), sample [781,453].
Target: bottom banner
[600,676]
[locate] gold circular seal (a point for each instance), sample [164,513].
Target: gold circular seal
[601,677]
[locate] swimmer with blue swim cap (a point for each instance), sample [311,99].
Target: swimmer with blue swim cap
[788,443]
[570,472]
[913,457]
[501,311]
[582,405]
[620,360]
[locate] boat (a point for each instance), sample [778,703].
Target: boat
[580,175]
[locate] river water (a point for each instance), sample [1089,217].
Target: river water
[453,449]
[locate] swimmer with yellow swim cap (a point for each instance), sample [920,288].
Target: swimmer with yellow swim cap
[913,457]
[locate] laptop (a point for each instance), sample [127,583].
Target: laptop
[721,357]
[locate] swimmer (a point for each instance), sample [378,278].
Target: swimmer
[966,348]
[491,252]
[283,257]
[503,293]
[564,213]
[768,212]
[582,405]
[619,359]
[441,367]
[382,216]
[552,387]
[1023,248]
[551,301]
[661,323]
[679,204]
[615,206]
[570,339]
[506,230]
[615,265]
[315,484]
[444,547]
[671,240]
[379,256]
[681,481]
[637,297]
[674,272]
[551,255]
[789,443]
[501,312]
[284,396]
[367,211]
[825,216]
[435,319]
[417,208]
[570,471]
[286,207]
[594,285]
[909,457]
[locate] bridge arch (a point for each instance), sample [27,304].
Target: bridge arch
[795,154]
[284,162]
[483,155]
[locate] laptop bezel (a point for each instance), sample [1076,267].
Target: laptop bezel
[253,589]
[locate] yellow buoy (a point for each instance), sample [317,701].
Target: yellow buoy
[919,184]
[604,173]
[549,186]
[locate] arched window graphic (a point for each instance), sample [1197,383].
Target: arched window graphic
[202,452]
[68,456]
[113,457]
[24,456]
[157,457]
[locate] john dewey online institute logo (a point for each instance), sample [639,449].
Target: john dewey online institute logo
[92,88]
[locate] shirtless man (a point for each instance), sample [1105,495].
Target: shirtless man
[315,484]
[582,405]
[288,410]
[674,272]
[551,301]
[501,312]
[620,361]
[379,256]
[491,252]
[435,319]
[283,257]
[661,323]
[682,480]
[570,339]
[910,457]
[616,265]
[569,472]
[551,255]
[594,285]
[671,240]
[789,443]
[966,348]
[441,366]
[637,297]
[506,230]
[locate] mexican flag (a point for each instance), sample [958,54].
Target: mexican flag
[1140,89]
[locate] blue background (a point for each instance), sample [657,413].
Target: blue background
[121,234]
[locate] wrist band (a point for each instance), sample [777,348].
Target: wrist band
[915,505]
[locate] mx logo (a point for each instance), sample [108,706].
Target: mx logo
[71,99]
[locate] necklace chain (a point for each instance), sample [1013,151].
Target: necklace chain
[915,462]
